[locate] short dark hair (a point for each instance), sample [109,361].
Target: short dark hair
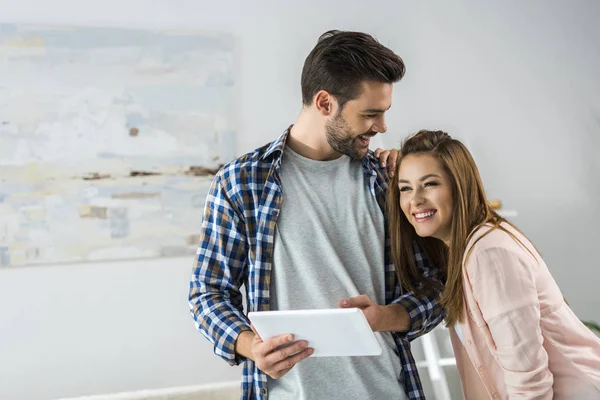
[342,60]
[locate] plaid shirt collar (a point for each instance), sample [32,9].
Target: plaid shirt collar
[370,166]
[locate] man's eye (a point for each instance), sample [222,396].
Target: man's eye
[369,116]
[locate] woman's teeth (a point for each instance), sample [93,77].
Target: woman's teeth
[425,215]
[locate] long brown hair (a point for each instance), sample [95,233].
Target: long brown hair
[471,211]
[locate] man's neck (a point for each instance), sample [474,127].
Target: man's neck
[307,138]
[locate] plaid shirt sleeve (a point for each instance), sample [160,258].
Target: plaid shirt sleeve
[215,298]
[425,312]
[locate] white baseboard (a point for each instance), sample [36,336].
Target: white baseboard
[216,391]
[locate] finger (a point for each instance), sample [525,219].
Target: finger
[363,299]
[358,301]
[392,160]
[280,373]
[285,352]
[271,344]
[377,152]
[289,362]
[383,158]
[344,303]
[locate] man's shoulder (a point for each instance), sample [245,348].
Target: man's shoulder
[372,163]
[251,167]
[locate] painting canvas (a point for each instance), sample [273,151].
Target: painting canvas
[109,139]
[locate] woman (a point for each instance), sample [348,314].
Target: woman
[512,332]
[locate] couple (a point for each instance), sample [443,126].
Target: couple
[312,220]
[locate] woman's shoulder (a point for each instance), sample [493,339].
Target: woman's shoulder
[487,235]
[504,241]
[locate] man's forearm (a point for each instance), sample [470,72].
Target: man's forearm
[243,344]
[394,318]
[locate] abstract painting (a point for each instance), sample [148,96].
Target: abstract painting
[109,139]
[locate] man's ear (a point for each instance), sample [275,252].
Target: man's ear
[325,103]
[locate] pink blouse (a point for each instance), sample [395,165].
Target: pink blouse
[520,339]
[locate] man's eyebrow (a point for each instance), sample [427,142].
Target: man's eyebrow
[377,110]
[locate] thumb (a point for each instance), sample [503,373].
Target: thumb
[256,335]
[358,301]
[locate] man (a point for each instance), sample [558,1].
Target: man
[300,223]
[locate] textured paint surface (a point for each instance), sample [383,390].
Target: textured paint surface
[108,140]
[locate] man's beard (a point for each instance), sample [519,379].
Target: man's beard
[341,138]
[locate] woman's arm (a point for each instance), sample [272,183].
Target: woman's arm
[504,287]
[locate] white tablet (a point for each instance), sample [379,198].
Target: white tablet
[331,332]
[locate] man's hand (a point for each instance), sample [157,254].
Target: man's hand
[388,158]
[278,355]
[390,318]
[372,311]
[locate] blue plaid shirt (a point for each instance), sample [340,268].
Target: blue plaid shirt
[236,248]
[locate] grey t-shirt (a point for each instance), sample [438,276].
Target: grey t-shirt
[329,245]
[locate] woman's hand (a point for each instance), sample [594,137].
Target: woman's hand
[387,158]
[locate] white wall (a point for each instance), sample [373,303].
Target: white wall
[517,80]
[100,328]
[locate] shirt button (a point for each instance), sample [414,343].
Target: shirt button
[263,392]
[264,301]
[495,395]
[481,369]
[470,343]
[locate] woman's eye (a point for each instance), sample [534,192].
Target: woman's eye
[431,183]
[404,188]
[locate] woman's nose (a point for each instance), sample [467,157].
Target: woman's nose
[417,199]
